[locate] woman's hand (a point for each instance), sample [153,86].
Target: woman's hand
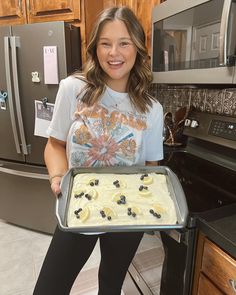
[55,186]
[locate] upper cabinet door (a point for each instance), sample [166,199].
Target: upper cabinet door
[48,10]
[12,12]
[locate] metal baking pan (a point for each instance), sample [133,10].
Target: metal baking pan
[174,187]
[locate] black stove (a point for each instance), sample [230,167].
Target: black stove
[207,185]
[206,168]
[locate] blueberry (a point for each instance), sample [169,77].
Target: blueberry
[134,214]
[91,183]
[88,196]
[151,211]
[142,176]
[96,181]
[119,202]
[129,213]
[115,182]
[109,217]
[79,195]
[157,215]
[141,187]
[129,209]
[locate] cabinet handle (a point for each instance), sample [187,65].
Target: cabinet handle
[232,283]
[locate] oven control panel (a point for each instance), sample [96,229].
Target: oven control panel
[223,129]
[219,129]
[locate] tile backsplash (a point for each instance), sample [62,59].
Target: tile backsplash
[215,101]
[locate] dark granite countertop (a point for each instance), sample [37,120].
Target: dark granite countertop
[220,226]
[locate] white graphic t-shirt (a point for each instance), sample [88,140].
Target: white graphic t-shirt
[110,133]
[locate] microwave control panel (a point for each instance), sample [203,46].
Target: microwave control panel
[223,129]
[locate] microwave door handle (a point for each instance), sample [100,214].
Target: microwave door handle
[224,31]
[9,93]
[15,42]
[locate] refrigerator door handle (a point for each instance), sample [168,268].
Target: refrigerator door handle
[9,92]
[23,173]
[15,42]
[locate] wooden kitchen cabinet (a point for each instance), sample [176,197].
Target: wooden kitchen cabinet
[45,10]
[215,271]
[34,11]
[13,12]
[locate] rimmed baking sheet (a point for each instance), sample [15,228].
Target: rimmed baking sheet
[174,187]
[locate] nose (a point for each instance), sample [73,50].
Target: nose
[113,50]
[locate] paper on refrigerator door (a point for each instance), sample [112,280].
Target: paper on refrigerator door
[43,117]
[50,65]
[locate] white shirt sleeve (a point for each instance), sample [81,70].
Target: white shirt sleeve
[64,109]
[154,134]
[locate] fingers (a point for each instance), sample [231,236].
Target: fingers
[55,187]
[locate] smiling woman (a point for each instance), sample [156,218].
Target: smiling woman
[116,54]
[102,117]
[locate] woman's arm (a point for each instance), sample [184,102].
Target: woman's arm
[56,162]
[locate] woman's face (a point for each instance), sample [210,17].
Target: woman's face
[116,54]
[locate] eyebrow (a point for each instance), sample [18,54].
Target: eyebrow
[120,39]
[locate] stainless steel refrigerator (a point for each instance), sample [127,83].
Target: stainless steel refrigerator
[25,195]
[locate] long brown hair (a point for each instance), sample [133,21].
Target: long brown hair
[140,76]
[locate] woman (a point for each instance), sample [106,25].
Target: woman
[104,117]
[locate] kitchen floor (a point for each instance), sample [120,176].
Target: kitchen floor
[22,252]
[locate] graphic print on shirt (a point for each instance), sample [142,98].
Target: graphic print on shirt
[103,138]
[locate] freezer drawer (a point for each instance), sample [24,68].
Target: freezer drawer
[26,198]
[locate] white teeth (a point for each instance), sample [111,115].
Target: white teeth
[115,62]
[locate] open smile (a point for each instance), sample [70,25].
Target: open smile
[115,63]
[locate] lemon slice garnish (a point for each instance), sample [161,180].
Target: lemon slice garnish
[83,214]
[148,180]
[93,193]
[158,208]
[109,212]
[145,193]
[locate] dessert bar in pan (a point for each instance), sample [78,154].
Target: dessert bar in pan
[121,199]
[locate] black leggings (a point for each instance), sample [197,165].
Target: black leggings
[68,252]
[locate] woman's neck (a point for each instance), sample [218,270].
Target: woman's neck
[119,86]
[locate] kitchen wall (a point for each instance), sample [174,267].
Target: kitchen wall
[206,99]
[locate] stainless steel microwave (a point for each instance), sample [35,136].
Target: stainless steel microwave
[194,42]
